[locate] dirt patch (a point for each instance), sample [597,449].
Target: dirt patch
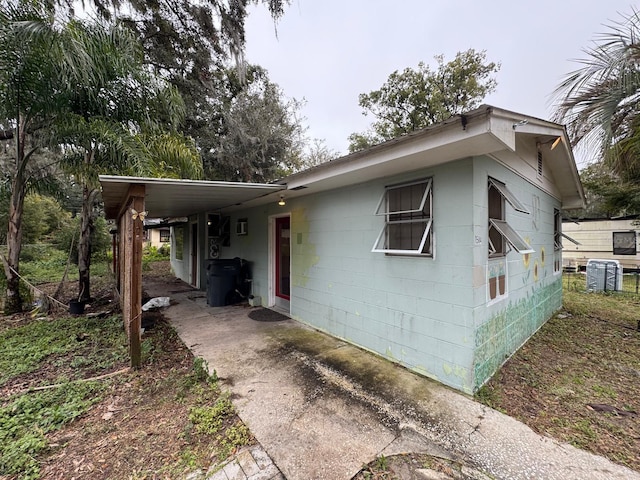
[141,428]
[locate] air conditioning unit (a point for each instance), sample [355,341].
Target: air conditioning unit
[241,226]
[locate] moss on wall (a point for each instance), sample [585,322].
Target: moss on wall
[507,330]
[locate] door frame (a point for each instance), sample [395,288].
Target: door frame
[193,254]
[271,290]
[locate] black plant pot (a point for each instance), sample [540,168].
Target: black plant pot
[76,307]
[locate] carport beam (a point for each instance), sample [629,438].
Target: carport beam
[130,238]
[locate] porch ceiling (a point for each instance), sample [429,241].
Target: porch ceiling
[179,198]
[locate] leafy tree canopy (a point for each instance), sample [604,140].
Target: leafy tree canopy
[241,123]
[245,130]
[414,99]
[181,36]
[607,194]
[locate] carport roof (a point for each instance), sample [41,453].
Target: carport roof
[178,198]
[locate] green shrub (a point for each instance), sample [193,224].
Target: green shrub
[155,254]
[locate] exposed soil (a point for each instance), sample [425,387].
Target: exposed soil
[141,429]
[138,429]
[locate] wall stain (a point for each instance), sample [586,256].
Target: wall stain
[303,250]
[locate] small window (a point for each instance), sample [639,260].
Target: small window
[165,235]
[501,234]
[624,243]
[408,224]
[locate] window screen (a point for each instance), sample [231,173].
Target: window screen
[407,229]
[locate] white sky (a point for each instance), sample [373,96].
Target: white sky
[329,51]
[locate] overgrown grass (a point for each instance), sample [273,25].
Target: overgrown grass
[58,352]
[96,342]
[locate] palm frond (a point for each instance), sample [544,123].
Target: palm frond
[173,156]
[600,100]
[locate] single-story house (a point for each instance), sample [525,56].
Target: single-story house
[439,250]
[156,233]
[601,238]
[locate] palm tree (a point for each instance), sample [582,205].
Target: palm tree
[123,122]
[37,72]
[599,102]
[82,87]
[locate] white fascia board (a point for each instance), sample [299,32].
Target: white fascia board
[106,179]
[502,129]
[450,140]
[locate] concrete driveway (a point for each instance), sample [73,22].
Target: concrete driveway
[322,408]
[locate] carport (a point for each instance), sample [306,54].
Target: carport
[129,200]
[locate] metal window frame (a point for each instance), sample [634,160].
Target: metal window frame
[383,204]
[508,196]
[557,230]
[569,238]
[380,245]
[512,237]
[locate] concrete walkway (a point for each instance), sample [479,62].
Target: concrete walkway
[321,408]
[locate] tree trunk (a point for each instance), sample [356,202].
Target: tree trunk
[84,244]
[13,302]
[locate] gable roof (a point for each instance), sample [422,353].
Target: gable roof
[486,130]
[483,131]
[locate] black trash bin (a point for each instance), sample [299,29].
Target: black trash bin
[222,274]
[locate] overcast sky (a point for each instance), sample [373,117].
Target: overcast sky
[329,51]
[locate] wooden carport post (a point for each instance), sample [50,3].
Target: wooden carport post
[130,238]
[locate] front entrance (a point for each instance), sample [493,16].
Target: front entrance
[282,261]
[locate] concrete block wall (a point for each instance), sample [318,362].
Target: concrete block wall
[429,314]
[413,310]
[534,290]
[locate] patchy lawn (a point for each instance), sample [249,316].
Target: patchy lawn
[162,421]
[578,379]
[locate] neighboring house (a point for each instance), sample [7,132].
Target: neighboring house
[157,233]
[603,238]
[439,250]
[158,237]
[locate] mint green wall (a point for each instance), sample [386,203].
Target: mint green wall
[413,310]
[254,247]
[534,290]
[417,311]
[432,315]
